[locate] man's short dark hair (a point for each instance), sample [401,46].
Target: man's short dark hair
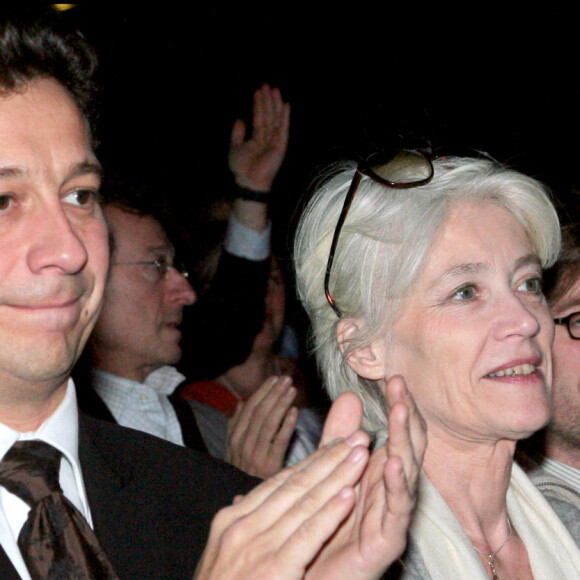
[132,193]
[33,50]
[565,273]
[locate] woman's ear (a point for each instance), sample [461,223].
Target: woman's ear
[366,361]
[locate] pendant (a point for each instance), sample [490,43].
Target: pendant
[491,563]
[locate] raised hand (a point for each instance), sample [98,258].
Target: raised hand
[375,533]
[279,527]
[255,161]
[261,428]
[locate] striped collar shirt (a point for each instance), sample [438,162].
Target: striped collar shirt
[564,472]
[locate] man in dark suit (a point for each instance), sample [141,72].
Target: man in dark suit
[149,502]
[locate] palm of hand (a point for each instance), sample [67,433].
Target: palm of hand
[256,162]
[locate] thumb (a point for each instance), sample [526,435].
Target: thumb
[344,418]
[238,133]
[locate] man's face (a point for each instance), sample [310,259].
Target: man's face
[138,329]
[564,428]
[53,239]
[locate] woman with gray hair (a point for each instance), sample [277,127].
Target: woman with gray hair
[431,270]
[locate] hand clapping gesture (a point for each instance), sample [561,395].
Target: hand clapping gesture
[375,533]
[336,514]
[260,430]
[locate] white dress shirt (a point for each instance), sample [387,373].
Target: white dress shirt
[245,242]
[61,431]
[143,406]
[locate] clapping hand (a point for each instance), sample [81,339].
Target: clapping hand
[260,430]
[278,528]
[337,514]
[375,533]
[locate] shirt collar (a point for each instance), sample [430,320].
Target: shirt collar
[163,380]
[60,430]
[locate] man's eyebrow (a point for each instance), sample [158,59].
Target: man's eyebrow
[529,259]
[79,169]
[10,171]
[85,168]
[565,305]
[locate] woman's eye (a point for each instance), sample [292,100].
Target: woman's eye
[532,285]
[465,293]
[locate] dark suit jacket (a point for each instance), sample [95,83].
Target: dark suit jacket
[151,501]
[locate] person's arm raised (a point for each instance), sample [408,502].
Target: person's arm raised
[255,161]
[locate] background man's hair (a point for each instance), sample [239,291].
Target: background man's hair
[565,273]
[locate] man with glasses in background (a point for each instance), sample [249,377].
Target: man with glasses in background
[136,340]
[555,468]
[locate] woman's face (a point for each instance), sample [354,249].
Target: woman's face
[473,341]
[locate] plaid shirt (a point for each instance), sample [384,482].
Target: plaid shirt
[143,406]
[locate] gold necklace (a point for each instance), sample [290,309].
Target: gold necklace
[491,557]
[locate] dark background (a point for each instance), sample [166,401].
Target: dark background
[473,78]
[481,77]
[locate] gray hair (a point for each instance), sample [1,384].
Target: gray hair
[382,249]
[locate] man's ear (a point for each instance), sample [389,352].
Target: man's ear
[366,361]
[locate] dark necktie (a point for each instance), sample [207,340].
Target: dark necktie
[56,541]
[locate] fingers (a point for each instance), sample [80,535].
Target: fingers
[303,492]
[256,160]
[238,133]
[244,417]
[375,533]
[306,539]
[407,429]
[279,527]
[270,116]
[320,464]
[343,419]
[387,514]
[268,409]
[263,412]
[283,436]
[260,430]
[259,116]
[400,496]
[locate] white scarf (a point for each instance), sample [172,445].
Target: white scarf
[447,552]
